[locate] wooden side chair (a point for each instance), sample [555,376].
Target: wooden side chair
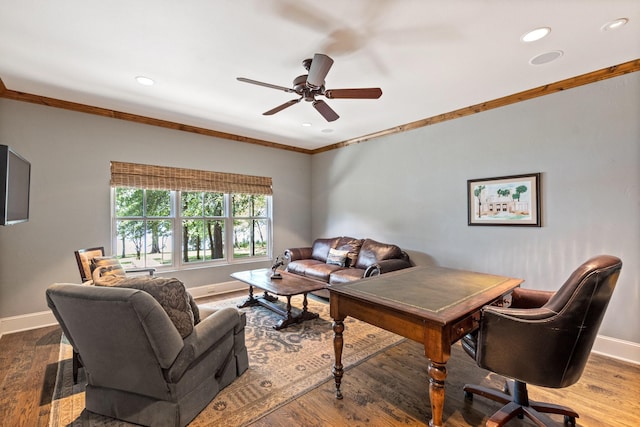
[84,258]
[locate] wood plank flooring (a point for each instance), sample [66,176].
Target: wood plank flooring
[389,389]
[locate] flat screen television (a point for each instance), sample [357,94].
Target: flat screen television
[15,177]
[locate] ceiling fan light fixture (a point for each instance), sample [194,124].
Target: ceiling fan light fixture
[145,81]
[615,24]
[536,34]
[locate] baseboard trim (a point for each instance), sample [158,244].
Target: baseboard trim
[626,351]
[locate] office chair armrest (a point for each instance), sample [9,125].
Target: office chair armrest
[529,298]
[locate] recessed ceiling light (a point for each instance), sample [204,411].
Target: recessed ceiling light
[306,125]
[536,34]
[546,57]
[326,130]
[145,81]
[615,24]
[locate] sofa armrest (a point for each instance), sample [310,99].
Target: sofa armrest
[386,266]
[205,335]
[295,254]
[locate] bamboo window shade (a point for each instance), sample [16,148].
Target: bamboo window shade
[169,178]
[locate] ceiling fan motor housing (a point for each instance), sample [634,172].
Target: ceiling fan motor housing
[301,88]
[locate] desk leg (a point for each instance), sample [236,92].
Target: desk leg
[437,376]
[338,371]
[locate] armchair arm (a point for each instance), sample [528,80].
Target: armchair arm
[295,254]
[386,266]
[205,335]
[141,270]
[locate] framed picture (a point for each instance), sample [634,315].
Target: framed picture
[507,200]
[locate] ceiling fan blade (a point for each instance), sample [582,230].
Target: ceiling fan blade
[281,107]
[326,111]
[362,93]
[269,85]
[320,66]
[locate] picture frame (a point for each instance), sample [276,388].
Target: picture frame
[507,200]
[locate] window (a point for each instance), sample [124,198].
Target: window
[193,223]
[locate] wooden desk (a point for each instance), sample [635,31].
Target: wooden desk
[435,306]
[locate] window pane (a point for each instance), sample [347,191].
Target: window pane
[159,243]
[241,205]
[191,204]
[129,202]
[260,237]
[249,238]
[259,205]
[215,236]
[213,204]
[158,203]
[130,244]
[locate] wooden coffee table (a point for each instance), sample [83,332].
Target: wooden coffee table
[288,286]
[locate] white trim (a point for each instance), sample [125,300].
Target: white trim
[217,289]
[25,322]
[626,351]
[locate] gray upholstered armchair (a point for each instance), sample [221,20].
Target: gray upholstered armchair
[139,367]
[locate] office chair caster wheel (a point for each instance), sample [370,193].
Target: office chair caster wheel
[570,421]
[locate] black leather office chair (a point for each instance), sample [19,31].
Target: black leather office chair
[543,338]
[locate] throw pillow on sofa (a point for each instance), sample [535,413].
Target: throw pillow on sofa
[170,294]
[337,257]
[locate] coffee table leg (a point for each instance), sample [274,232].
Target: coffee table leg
[250,301]
[270,298]
[338,371]
[437,376]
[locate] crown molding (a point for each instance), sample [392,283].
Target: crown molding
[584,79]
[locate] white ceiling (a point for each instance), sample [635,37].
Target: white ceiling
[428,56]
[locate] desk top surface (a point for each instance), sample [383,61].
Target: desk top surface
[432,290]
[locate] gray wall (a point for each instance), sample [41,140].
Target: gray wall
[410,189]
[70,196]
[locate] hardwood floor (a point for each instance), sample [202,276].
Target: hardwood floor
[389,389]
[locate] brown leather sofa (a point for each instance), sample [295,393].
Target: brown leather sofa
[344,259]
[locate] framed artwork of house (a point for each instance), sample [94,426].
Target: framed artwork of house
[506,200]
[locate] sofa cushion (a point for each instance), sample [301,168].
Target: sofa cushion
[320,248]
[301,265]
[170,294]
[352,246]
[346,275]
[321,271]
[337,257]
[372,252]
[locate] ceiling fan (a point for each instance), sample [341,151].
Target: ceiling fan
[308,86]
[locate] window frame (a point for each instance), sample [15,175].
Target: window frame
[175,217]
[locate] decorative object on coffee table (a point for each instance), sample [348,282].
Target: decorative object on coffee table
[279,262]
[287,286]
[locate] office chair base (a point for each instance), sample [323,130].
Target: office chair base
[517,404]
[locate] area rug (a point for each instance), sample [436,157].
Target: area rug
[283,365]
